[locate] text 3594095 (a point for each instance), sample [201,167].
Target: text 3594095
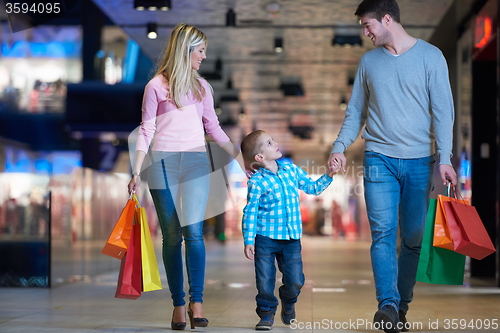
[32,7]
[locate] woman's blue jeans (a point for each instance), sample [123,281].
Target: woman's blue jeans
[179,184]
[396,193]
[288,255]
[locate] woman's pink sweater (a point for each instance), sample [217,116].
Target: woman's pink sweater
[175,129]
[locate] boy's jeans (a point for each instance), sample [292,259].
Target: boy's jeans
[288,255]
[396,190]
[179,183]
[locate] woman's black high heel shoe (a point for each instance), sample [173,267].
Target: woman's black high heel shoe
[199,322]
[177,326]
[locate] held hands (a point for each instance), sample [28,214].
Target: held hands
[448,174]
[249,252]
[336,162]
[134,184]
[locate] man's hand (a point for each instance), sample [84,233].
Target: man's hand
[249,251]
[336,162]
[448,174]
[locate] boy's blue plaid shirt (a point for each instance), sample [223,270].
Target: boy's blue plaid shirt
[273,202]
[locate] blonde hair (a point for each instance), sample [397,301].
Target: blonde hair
[249,149]
[176,63]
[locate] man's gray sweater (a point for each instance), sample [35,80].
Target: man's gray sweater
[405,102]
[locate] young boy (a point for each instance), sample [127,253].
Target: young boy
[272,225]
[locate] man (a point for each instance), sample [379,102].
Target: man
[402,94]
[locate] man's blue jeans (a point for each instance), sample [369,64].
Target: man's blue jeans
[288,255]
[397,193]
[179,184]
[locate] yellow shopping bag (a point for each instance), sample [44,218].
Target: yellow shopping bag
[150,273]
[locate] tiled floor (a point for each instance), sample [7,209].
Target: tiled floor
[338,297]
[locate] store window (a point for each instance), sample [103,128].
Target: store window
[35,66]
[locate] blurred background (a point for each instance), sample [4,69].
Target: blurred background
[71,92]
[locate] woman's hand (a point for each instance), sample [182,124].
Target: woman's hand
[134,184]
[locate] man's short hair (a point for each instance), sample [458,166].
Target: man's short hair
[379,8]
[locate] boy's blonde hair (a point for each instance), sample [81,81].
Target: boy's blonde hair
[176,63]
[249,149]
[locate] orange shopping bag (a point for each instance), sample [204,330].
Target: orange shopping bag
[442,236]
[117,243]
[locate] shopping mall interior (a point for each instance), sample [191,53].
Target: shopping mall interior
[71,90]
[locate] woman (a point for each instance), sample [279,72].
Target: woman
[177,106]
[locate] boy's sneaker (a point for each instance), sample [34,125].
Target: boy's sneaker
[266,323]
[287,315]
[387,319]
[404,323]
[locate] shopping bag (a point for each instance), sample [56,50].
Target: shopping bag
[150,273]
[117,243]
[437,265]
[472,238]
[456,232]
[442,236]
[130,278]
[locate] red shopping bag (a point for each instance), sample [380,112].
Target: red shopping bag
[456,232]
[469,236]
[130,277]
[118,241]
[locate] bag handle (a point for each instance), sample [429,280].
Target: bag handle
[459,194]
[452,192]
[134,198]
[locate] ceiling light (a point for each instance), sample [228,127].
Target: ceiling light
[152,31]
[347,40]
[343,103]
[292,89]
[218,65]
[242,115]
[229,98]
[152,5]
[278,45]
[351,75]
[230,18]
